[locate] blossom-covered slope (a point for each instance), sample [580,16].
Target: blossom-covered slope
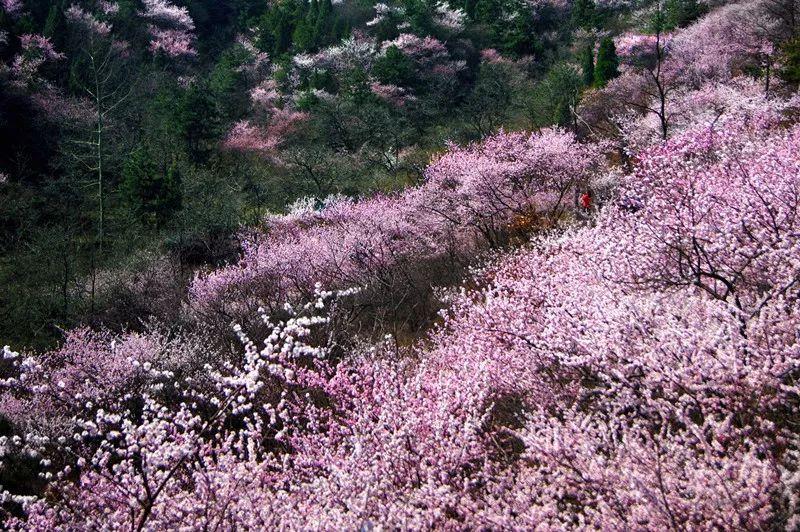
[634,365]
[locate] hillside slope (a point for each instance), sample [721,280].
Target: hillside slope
[607,325]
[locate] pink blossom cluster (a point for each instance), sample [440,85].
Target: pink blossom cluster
[108,8]
[421,49]
[384,11]
[699,74]
[13,8]
[247,136]
[430,56]
[449,18]
[393,94]
[490,55]
[726,41]
[171,28]
[634,45]
[357,51]
[258,65]
[89,22]
[36,52]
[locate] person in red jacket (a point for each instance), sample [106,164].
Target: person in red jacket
[585,200]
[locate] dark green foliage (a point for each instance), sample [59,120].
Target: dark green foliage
[607,66]
[492,100]
[276,28]
[55,27]
[488,11]
[303,36]
[519,38]
[790,64]
[470,8]
[197,123]
[555,97]
[152,192]
[295,25]
[583,13]
[681,13]
[341,29]
[394,68]
[355,85]
[228,84]
[419,17]
[587,65]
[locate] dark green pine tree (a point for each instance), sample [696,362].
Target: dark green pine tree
[394,68]
[265,40]
[488,11]
[324,25]
[56,29]
[607,66]
[470,8]
[680,13]
[562,114]
[151,193]
[587,65]
[341,28]
[313,13]
[303,37]
[196,120]
[583,13]
[55,26]
[790,69]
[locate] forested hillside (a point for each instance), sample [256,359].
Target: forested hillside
[493,264]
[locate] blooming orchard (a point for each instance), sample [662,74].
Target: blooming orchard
[469,199]
[632,363]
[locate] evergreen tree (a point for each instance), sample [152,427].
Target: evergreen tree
[607,67]
[266,30]
[470,8]
[587,65]
[583,13]
[394,68]
[519,37]
[283,34]
[488,11]
[197,123]
[304,37]
[341,28]
[324,24]
[228,84]
[151,193]
[555,96]
[790,71]
[55,27]
[680,13]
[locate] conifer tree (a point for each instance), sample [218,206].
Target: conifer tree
[470,8]
[607,66]
[583,13]
[587,65]
[151,193]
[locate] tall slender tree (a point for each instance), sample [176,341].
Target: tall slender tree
[607,67]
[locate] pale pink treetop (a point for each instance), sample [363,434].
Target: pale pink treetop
[89,22]
[37,50]
[14,8]
[171,28]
